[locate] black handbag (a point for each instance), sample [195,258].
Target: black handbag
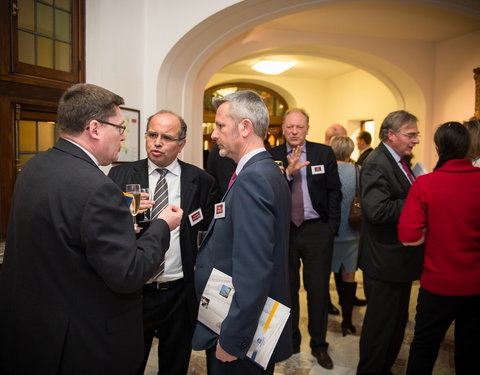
[355,215]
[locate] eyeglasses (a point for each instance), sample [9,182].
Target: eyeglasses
[411,135]
[120,127]
[164,137]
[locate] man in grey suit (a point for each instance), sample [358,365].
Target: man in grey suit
[169,303]
[248,238]
[388,267]
[70,286]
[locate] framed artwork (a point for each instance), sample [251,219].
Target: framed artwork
[130,149]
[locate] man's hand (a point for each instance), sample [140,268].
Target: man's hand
[294,164]
[172,215]
[145,203]
[222,355]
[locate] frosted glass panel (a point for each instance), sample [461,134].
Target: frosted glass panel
[24,158]
[63,56]
[62,26]
[44,19]
[26,14]
[27,136]
[45,52]
[26,47]
[48,1]
[46,135]
[64,4]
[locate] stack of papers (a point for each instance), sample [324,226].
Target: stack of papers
[215,303]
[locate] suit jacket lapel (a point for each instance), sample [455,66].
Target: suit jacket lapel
[402,179]
[188,188]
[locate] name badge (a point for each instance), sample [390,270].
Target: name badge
[318,169]
[219,211]
[195,217]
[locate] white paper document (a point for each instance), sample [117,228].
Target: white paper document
[419,170]
[215,303]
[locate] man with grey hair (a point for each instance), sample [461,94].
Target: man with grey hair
[70,300]
[248,238]
[388,267]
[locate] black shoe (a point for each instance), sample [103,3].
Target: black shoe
[332,310]
[359,302]
[323,359]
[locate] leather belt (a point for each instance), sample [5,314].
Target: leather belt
[162,286]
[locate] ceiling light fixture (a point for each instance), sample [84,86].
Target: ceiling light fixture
[273,67]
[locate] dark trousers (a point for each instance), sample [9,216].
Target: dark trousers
[238,367]
[435,314]
[312,245]
[165,315]
[384,325]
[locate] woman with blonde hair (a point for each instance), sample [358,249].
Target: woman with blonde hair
[345,248]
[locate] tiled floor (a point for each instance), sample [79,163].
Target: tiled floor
[343,350]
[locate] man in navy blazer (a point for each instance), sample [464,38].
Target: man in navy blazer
[312,168]
[169,303]
[70,286]
[248,238]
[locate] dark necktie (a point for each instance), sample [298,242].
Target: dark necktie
[161,193]
[161,200]
[234,176]
[407,171]
[298,215]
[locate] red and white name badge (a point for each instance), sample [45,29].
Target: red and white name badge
[219,211]
[195,217]
[318,169]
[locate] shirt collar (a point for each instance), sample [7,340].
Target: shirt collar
[304,147]
[90,155]
[246,158]
[173,168]
[393,152]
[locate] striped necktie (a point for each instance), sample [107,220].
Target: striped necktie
[407,171]
[161,193]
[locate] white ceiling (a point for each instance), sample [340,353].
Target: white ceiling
[419,21]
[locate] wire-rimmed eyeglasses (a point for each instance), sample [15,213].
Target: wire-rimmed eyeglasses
[164,137]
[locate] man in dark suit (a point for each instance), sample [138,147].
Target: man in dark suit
[247,240]
[364,141]
[169,303]
[316,196]
[70,300]
[388,267]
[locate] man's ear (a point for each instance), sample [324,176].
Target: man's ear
[93,129]
[246,127]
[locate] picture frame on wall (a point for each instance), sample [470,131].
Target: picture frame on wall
[130,147]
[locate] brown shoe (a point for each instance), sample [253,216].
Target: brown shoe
[323,359]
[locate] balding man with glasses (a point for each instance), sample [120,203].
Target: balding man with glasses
[169,304]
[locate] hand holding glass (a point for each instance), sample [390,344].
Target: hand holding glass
[134,189]
[146,197]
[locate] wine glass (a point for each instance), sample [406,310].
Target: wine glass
[147,213]
[134,189]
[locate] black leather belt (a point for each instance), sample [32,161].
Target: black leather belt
[162,286]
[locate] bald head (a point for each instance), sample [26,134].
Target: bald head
[334,130]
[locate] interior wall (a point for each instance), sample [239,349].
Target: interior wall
[350,97]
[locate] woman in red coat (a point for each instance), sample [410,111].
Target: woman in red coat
[442,209]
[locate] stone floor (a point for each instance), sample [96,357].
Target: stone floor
[343,350]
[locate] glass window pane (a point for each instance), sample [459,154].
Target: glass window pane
[65,4]
[63,56]
[26,47]
[27,136]
[44,19]
[26,14]
[46,135]
[45,52]
[62,26]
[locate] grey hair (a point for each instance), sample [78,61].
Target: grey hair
[246,105]
[394,121]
